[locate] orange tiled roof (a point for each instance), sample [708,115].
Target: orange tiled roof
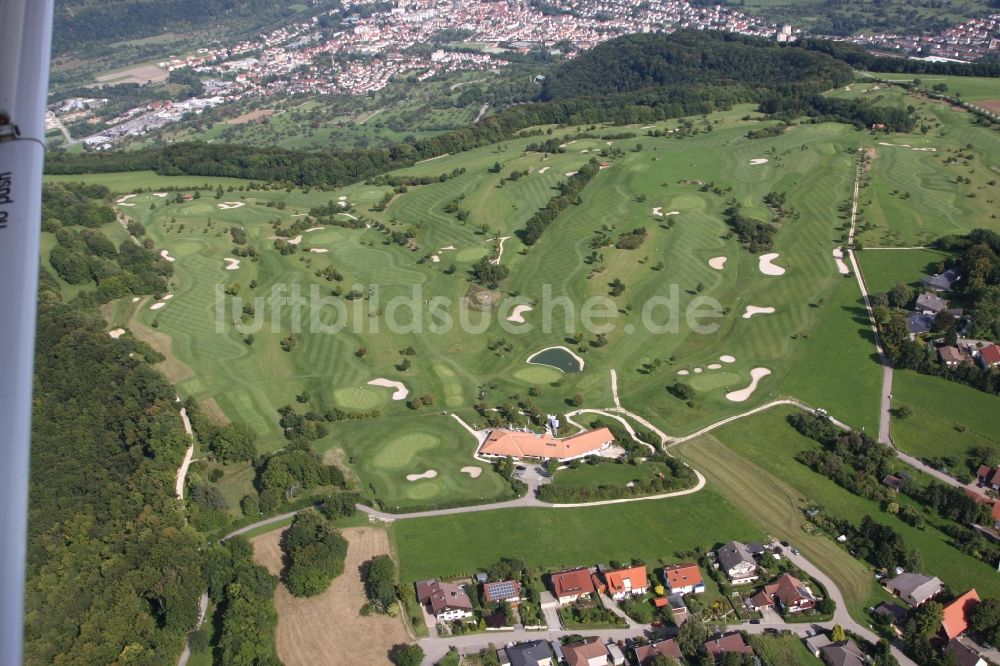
[682,575]
[530,445]
[572,582]
[616,579]
[956,614]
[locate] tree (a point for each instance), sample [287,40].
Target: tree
[314,553]
[380,582]
[407,655]
[233,443]
[616,287]
[692,636]
[576,400]
[838,634]
[900,295]
[984,620]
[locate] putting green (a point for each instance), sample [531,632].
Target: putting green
[538,374]
[713,379]
[685,202]
[185,248]
[453,395]
[422,489]
[397,453]
[358,398]
[470,254]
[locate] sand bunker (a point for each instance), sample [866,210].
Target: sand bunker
[544,169]
[743,394]
[714,366]
[673,212]
[570,173]
[126,198]
[926,150]
[226,205]
[517,315]
[758,160]
[296,240]
[657,211]
[698,371]
[447,247]
[838,256]
[167,297]
[352,217]
[474,472]
[157,306]
[718,263]
[319,250]
[166,255]
[683,373]
[753,310]
[768,268]
[399,388]
[584,151]
[726,358]
[435,258]
[117,333]
[311,229]
[162,195]
[231,264]
[429,474]
[136,299]
[647,127]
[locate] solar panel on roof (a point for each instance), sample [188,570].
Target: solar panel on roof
[502,589]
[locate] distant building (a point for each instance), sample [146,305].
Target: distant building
[989,357]
[588,652]
[627,581]
[790,593]
[531,653]
[731,642]
[956,614]
[930,303]
[843,653]
[988,476]
[952,357]
[445,601]
[646,654]
[919,323]
[504,590]
[684,579]
[570,585]
[942,282]
[514,444]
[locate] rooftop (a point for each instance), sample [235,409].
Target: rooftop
[529,445]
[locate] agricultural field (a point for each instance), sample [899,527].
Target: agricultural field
[653,531]
[948,418]
[884,269]
[767,442]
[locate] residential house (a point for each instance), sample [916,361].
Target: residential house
[893,482]
[737,563]
[952,357]
[965,655]
[791,594]
[989,476]
[445,601]
[531,653]
[588,652]
[843,653]
[570,585]
[627,582]
[918,323]
[989,356]
[684,579]
[731,642]
[504,590]
[929,303]
[956,614]
[893,613]
[914,588]
[678,609]
[646,654]
[816,642]
[942,282]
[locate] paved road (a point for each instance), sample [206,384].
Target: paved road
[202,608]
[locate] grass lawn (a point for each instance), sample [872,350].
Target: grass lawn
[606,474]
[554,538]
[768,444]
[884,269]
[948,418]
[781,649]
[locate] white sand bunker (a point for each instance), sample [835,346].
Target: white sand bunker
[698,371]
[162,195]
[157,306]
[126,198]
[436,259]
[351,216]
[657,211]
[319,250]
[474,472]
[167,297]
[296,240]
[544,169]
[726,358]
[718,263]
[714,366]
[311,229]
[136,299]
[226,205]
[758,160]
[231,264]
[926,150]
[766,266]
[166,255]
[683,373]
[743,394]
[754,310]
[116,333]
[517,315]
[429,474]
[399,388]
[447,247]
[838,256]
[570,173]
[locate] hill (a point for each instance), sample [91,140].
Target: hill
[636,62]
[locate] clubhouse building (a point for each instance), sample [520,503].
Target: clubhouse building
[517,444]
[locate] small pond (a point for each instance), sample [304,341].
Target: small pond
[559,358]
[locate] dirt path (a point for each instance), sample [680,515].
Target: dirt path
[328,629]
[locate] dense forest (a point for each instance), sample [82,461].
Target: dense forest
[729,70]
